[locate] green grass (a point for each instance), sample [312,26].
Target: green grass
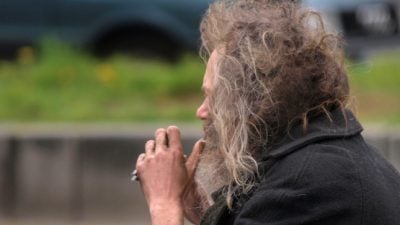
[376,87]
[65,85]
[380,73]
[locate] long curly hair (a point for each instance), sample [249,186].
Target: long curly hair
[279,66]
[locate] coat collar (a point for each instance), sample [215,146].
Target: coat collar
[339,124]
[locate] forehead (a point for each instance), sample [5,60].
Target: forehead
[209,75]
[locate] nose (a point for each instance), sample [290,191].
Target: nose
[202,111]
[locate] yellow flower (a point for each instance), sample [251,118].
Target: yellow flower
[25,55]
[106,74]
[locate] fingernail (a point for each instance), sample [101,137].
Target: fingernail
[169,128]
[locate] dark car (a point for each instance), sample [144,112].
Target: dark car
[367,25]
[161,26]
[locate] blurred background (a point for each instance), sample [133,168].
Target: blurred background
[84,83]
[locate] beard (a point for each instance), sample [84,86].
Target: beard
[211,173]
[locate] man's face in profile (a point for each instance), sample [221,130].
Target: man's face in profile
[210,172]
[203,112]
[208,82]
[207,87]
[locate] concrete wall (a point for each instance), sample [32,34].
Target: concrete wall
[74,173]
[81,175]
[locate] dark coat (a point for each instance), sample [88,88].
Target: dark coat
[328,176]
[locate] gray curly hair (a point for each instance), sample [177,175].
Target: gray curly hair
[279,66]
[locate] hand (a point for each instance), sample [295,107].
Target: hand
[164,175]
[195,199]
[195,202]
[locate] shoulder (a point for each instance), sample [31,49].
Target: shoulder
[312,163]
[318,182]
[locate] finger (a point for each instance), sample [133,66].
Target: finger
[161,139]
[193,160]
[135,173]
[149,147]
[174,138]
[140,158]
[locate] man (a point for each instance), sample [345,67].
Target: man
[280,147]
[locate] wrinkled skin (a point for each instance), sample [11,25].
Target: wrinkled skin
[166,178]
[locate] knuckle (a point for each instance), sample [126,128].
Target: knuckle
[173,128]
[139,166]
[176,148]
[159,131]
[148,160]
[162,152]
[159,158]
[160,148]
[176,152]
[149,143]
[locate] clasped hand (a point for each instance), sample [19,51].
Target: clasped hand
[165,174]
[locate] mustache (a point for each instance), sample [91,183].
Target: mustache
[207,126]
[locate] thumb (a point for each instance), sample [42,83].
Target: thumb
[193,160]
